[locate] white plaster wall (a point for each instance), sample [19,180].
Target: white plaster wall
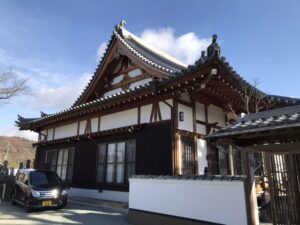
[66,131]
[94,124]
[146,113]
[104,195]
[140,82]
[216,114]
[82,127]
[43,135]
[202,153]
[134,73]
[200,111]
[115,91]
[200,129]
[118,79]
[119,119]
[50,134]
[165,110]
[214,201]
[187,124]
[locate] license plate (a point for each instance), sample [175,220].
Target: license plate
[46,203]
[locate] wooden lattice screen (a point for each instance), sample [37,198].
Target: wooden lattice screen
[283,171]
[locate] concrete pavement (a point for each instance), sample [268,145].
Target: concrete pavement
[72,214]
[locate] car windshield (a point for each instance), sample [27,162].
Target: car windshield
[42,178]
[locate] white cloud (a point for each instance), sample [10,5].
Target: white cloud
[53,98]
[11,131]
[186,47]
[52,72]
[50,88]
[101,50]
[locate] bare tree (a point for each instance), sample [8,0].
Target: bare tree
[252,99]
[11,85]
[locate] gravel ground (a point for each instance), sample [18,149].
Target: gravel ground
[72,214]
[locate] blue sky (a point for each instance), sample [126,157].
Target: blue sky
[55,43]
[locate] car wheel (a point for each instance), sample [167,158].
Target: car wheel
[62,206]
[13,197]
[27,206]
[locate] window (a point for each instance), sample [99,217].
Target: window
[116,162]
[188,155]
[41,178]
[61,161]
[51,158]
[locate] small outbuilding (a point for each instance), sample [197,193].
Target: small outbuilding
[269,143]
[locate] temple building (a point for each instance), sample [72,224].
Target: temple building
[144,112]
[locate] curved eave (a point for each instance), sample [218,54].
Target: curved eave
[101,102]
[141,58]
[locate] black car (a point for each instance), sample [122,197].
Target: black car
[39,189]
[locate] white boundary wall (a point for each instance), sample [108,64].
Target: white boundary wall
[117,196]
[211,201]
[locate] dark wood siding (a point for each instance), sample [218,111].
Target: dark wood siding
[154,150]
[153,154]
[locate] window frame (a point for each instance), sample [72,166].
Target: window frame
[68,165]
[104,163]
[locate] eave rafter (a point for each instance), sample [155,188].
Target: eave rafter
[126,129]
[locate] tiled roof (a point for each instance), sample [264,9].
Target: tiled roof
[98,101]
[263,121]
[158,60]
[191,177]
[149,54]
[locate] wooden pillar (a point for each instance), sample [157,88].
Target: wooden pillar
[173,133]
[250,194]
[175,138]
[37,157]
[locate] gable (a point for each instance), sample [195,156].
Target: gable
[120,75]
[127,63]
[118,72]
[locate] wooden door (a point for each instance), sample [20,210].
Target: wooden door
[188,156]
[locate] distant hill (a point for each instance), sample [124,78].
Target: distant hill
[19,150]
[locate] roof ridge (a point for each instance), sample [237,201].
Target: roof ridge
[141,57]
[128,35]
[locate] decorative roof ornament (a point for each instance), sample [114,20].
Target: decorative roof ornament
[120,26]
[214,48]
[44,114]
[202,59]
